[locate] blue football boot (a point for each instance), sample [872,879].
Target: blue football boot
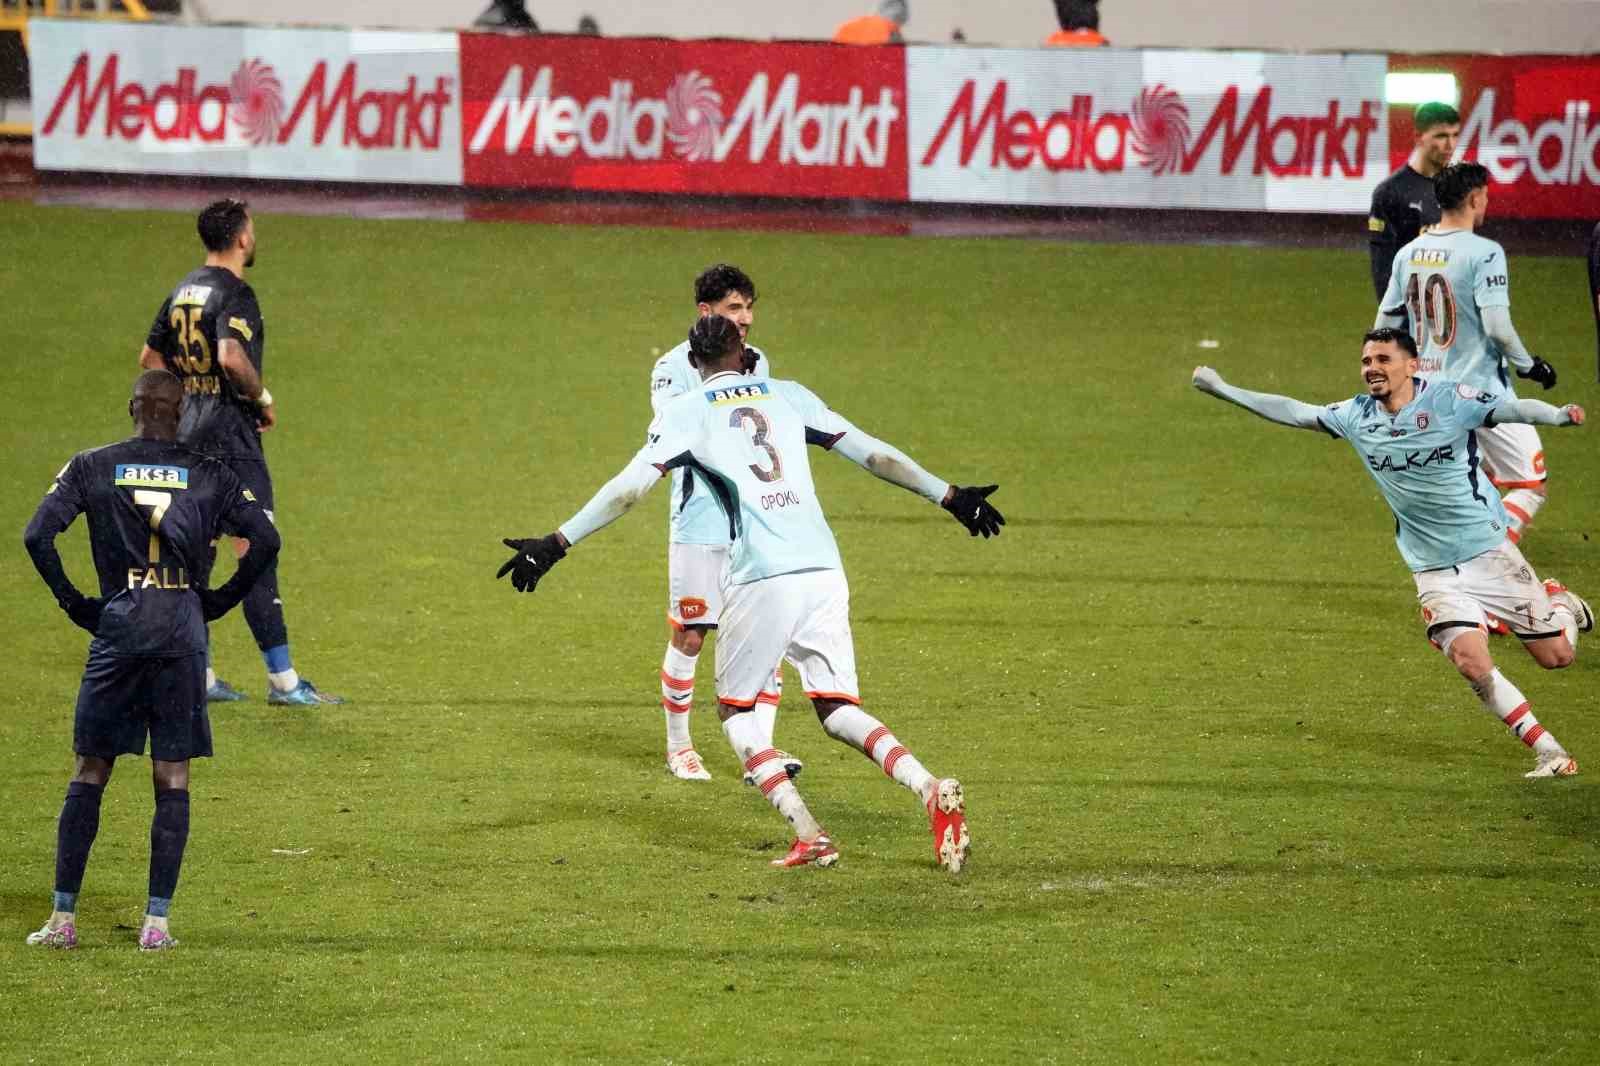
[222,692]
[304,694]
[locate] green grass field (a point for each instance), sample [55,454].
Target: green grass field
[1228,804]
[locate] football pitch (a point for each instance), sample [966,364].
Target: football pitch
[1227,803]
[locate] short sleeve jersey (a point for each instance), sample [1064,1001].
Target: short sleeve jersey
[695,517]
[212,304]
[1403,205]
[1425,461]
[746,438]
[1444,281]
[153,507]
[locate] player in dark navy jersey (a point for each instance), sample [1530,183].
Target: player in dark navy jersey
[1404,204]
[154,508]
[210,334]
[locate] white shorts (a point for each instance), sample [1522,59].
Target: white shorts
[1513,456]
[804,618]
[1499,582]
[694,584]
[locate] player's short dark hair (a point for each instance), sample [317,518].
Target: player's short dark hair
[1453,184]
[711,338]
[1388,335]
[717,281]
[1435,114]
[1078,14]
[221,223]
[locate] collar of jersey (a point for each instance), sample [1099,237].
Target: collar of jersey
[722,374]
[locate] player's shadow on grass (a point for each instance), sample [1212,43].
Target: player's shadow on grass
[1099,578]
[873,518]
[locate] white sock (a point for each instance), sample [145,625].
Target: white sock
[766,708]
[871,737]
[211,677]
[151,921]
[1521,505]
[1502,699]
[60,918]
[284,680]
[677,696]
[762,762]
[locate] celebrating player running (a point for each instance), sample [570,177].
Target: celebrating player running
[784,591]
[1414,437]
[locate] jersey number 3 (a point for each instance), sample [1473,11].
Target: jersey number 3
[762,428]
[1432,303]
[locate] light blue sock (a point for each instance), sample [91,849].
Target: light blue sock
[277,659]
[157,907]
[66,902]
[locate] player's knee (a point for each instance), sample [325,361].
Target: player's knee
[169,775]
[825,707]
[726,711]
[1553,654]
[1469,654]
[93,770]
[689,640]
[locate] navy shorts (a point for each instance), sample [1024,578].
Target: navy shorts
[123,701]
[254,476]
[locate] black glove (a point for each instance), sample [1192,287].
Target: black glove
[1540,371]
[533,560]
[85,612]
[971,506]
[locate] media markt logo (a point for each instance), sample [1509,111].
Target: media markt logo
[1156,132]
[255,101]
[528,115]
[694,116]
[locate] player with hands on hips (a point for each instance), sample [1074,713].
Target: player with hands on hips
[785,594]
[1414,439]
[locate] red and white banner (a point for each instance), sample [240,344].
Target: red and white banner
[331,105]
[722,118]
[1534,121]
[1233,130]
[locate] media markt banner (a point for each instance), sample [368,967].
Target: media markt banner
[1534,121]
[331,105]
[1244,131]
[699,117]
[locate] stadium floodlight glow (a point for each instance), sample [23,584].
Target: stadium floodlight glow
[1411,87]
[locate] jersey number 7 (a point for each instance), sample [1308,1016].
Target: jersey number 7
[158,502]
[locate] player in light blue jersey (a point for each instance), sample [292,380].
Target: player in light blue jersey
[697,537]
[784,592]
[1415,438]
[1456,288]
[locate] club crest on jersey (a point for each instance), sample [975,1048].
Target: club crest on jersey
[738,393]
[152,477]
[1422,420]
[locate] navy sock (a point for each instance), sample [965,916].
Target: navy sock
[169,832]
[263,611]
[75,833]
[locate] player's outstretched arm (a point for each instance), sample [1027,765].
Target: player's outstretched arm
[54,515]
[536,555]
[1534,413]
[969,504]
[1280,409]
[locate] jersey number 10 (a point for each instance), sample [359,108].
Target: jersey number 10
[1433,306]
